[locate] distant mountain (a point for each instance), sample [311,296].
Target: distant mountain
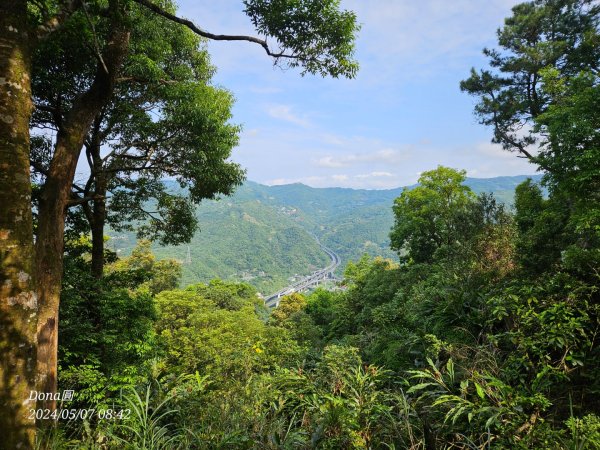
[261,234]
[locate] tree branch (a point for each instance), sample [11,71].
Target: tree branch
[88,156]
[67,8]
[55,112]
[167,170]
[145,80]
[96,44]
[150,214]
[38,167]
[215,37]
[521,148]
[76,200]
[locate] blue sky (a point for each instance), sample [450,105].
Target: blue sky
[403,114]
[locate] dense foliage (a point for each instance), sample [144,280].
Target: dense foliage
[127,80]
[483,335]
[540,34]
[489,342]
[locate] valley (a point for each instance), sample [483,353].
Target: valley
[263,235]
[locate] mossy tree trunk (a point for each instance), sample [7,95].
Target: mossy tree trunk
[18,299]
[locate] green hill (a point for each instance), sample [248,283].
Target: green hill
[242,239]
[261,234]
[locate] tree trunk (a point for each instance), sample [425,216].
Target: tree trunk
[54,200]
[97,224]
[49,252]
[18,300]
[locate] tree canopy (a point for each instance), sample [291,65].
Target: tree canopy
[164,120]
[562,34]
[428,216]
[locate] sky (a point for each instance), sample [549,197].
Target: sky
[403,113]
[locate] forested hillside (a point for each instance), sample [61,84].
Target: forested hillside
[482,335]
[480,331]
[260,233]
[247,240]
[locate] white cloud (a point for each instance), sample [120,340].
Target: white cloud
[414,39]
[252,132]
[330,162]
[491,150]
[398,38]
[374,175]
[385,156]
[278,181]
[323,160]
[496,152]
[333,139]
[284,112]
[376,131]
[315,181]
[486,159]
[340,178]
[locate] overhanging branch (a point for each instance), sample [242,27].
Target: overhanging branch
[215,37]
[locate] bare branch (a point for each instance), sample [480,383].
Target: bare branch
[96,44]
[54,111]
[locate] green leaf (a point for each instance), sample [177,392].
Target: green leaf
[480,391]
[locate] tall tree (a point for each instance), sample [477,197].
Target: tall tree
[571,146]
[429,216]
[540,97]
[540,33]
[19,301]
[56,192]
[164,120]
[571,150]
[312,34]
[22,27]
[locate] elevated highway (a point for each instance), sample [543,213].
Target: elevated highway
[318,276]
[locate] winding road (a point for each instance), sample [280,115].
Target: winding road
[327,273]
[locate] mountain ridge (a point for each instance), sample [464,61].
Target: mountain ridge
[468,181]
[262,234]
